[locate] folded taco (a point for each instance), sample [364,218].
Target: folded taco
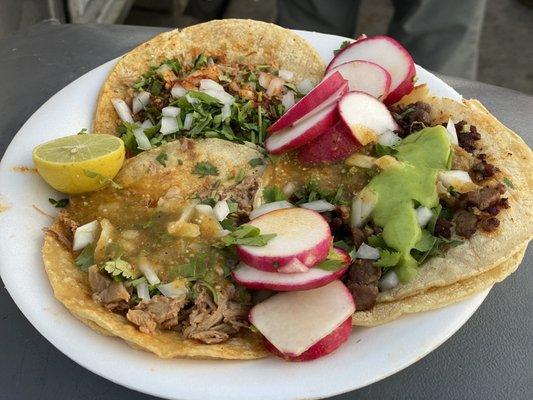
[267,202]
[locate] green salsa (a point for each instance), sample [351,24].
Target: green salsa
[402,187]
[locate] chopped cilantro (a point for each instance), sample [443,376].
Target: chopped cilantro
[205,168]
[248,235]
[343,45]
[162,158]
[233,206]
[388,258]
[200,62]
[120,269]
[380,150]
[86,258]
[508,182]
[240,176]
[61,203]
[333,262]
[103,180]
[83,131]
[273,193]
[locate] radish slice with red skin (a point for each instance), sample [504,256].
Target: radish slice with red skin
[387,53]
[326,92]
[300,233]
[295,321]
[365,76]
[292,267]
[321,348]
[253,278]
[303,132]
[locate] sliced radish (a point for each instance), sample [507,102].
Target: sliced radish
[253,278]
[363,119]
[321,348]
[268,207]
[300,233]
[327,92]
[294,266]
[295,321]
[387,53]
[365,76]
[303,132]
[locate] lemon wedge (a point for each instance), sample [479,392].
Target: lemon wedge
[79,163]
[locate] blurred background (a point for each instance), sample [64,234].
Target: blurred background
[486,40]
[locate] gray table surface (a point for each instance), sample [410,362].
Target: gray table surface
[490,357]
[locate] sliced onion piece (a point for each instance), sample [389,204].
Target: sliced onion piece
[209,84]
[264,79]
[178,91]
[286,75]
[318,206]
[147,124]
[204,209]
[191,100]
[221,210]
[367,252]
[459,180]
[362,206]
[122,110]
[169,125]
[305,86]
[170,111]
[223,97]
[146,268]
[84,235]
[389,138]
[174,289]
[142,140]
[388,281]
[360,160]
[140,101]
[266,208]
[288,100]
[187,123]
[452,132]
[423,215]
[289,189]
[142,291]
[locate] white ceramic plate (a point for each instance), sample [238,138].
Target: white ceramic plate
[369,355]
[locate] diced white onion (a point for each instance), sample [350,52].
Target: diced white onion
[148,272]
[266,208]
[226,112]
[169,125]
[147,124]
[367,252]
[362,206]
[170,111]
[178,91]
[221,210]
[423,215]
[122,110]
[289,189]
[143,142]
[318,206]
[389,138]
[388,281]
[305,86]
[452,132]
[173,289]
[223,97]
[274,87]
[142,291]
[187,122]
[84,235]
[264,79]
[209,84]
[286,75]
[204,209]
[288,100]
[459,180]
[186,213]
[140,101]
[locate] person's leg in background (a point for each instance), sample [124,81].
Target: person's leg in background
[337,17]
[442,35]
